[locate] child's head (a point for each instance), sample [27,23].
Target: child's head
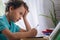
[16,9]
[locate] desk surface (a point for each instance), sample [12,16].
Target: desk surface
[35,38]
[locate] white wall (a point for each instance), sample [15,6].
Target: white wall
[43,7]
[57,8]
[47,5]
[2,8]
[44,21]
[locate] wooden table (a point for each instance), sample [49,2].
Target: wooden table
[35,38]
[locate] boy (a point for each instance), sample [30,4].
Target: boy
[15,10]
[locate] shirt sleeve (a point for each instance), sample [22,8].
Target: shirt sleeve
[2,25]
[17,28]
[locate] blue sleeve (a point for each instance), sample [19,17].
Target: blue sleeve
[2,25]
[17,28]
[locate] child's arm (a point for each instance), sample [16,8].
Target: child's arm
[31,33]
[28,27]
[18,35]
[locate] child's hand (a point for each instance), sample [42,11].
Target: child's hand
[25,14]
[33,32]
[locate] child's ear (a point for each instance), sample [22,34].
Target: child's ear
[11,9]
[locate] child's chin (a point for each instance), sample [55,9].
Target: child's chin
[16,21]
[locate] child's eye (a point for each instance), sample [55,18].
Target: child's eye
[21,13]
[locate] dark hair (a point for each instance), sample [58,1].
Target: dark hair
[16,4]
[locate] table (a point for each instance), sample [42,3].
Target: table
[35,38]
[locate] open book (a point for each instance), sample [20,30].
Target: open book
[55,35]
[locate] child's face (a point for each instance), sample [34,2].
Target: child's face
[16,14]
